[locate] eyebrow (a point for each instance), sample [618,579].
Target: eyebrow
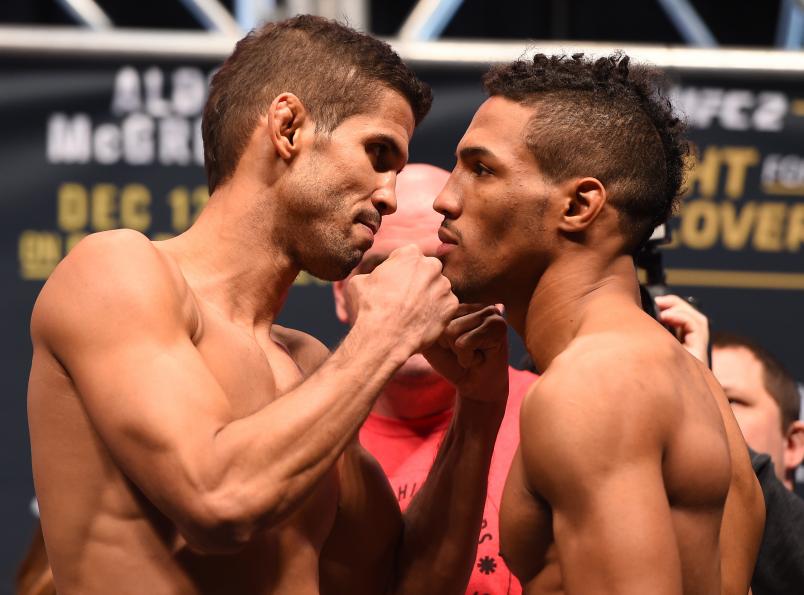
[474,151]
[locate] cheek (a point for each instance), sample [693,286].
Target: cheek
[759,427]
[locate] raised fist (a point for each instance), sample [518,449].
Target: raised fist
[472,353]
[407,297]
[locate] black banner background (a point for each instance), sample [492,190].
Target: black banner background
[50,198]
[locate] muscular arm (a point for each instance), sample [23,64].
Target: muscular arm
[118,321]
[443,520]
[595,460]
[374,549]
[432,548]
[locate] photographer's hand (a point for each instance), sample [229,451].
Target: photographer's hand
[690,325]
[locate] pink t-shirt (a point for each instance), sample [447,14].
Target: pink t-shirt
[406,449]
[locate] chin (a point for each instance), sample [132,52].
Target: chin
[470,291]
[334,266]
[416,366]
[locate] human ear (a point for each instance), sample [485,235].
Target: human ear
[794,445]
[286,115]
[584,201]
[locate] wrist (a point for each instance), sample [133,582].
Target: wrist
[479,418]
[382,339]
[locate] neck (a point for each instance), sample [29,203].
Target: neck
[231,260]
[414,397]
[573,289]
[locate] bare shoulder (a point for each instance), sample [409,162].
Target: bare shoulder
[609,374]
[307,351]
[117,276]
[598,403]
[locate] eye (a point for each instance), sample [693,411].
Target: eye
[380,155]
[480,170]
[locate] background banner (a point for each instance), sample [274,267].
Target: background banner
[94,143]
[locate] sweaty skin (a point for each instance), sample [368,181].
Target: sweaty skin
[182,443]
[632,476]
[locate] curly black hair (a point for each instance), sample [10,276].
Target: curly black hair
[607,119]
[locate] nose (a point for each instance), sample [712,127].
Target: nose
[384,198]
[447,202]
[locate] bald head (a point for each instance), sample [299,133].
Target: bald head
[415,221]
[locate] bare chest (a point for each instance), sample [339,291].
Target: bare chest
[251,370]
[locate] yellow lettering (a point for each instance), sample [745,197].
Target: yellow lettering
[770,225]
[737,227]
[104,207]
[134,202]
[73,207]
[179,201]
[72,239]
[738,160]
[162,236]
[699,224]
[200,198]
[39,252]
[795,227]
[705,172]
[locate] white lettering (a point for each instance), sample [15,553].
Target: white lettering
[189,91]
[771,111]
[138,139]
[174,141]
[198,142]
[155,103]
[127,92]
[734,111]
[107,144]
[69,139]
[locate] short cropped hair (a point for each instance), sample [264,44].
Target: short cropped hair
[335,71]
[779,383]
[606,119]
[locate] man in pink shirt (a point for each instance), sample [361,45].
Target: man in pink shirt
[412,414]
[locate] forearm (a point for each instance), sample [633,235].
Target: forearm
[442,523]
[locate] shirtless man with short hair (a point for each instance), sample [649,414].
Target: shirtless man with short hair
[632,476]
[184,444]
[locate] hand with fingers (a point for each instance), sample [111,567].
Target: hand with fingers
[472,353]
[406,298]
[690,324]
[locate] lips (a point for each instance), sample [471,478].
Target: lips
[446,236]
[372,221]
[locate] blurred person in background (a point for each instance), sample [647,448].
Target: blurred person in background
[751,375]
[632,475]
[414,410]
[759,391]
[184,443]
[765,401]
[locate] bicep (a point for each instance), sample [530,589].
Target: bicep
[599,470]
[121,337]
[526,530]
[617,536]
